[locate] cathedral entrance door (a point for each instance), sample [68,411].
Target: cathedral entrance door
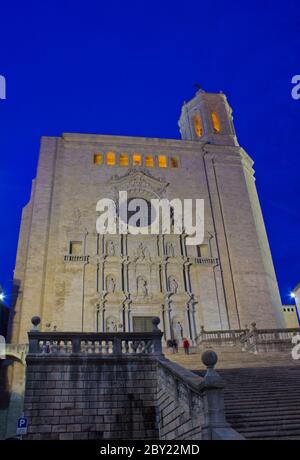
[142,323]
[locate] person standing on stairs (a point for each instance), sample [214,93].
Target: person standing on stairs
[186,346]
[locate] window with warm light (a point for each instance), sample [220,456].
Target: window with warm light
[216,122]
[123,159]
[149,161]
[98,158]
[198,125]
[162,161]
[136,159]
[111,158]
[174,162]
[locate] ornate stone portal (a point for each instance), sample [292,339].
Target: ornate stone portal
[144,275]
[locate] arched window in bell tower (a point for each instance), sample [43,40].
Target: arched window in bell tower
[216,122]
[198,125]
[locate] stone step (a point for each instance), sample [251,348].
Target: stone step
[271,416]
[247,407]
[262,391]
[275,432]
[264,422]
[251,395]
[249,404]
[193,362]
[267,406]
[272,412]
[266,396]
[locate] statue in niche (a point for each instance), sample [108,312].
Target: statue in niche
[142,287]
[110,248]
[110,284]
[178,330]
[111,325]
[142,253]
[173,285]
[170,250]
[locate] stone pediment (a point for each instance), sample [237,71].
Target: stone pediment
[137,182]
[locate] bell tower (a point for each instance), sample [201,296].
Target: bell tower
[207,117]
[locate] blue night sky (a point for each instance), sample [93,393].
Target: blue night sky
[125,68]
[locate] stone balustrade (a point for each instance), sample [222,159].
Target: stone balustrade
[206,261]
[221,338]
[75,258]
[260,340]
[252,340]
[213,261]
[80,343]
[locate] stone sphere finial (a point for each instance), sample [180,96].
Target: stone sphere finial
[155,323]
[35,320]
[209,358]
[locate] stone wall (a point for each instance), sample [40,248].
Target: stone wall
[191,407]
[179,418]
[91,397]
[118,386]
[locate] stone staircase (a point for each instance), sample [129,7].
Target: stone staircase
[231,357]
[263,403]
[262,393]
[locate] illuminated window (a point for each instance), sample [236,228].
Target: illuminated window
[136,159]
[149,161]
[123,159]
[162,161]
[198,125]
[216,122]
[111,158]
[98,158]
[174,162]
[76,248]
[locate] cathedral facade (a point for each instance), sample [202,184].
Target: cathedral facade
[78,280]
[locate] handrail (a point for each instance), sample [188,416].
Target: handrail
[220,336]
[262,339]
[106,343]
[201,399]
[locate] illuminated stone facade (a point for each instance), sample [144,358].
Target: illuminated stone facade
[77,280]
[290,315]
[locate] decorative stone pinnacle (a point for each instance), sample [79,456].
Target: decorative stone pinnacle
[35,320]
[209,358]
[155,323]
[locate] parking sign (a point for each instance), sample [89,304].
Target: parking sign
[22,426]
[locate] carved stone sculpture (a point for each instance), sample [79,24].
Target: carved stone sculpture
[110,284]
[173,285]
[110,248]
[142,287]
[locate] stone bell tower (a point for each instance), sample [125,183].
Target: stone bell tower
[250,286]
[207,118]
